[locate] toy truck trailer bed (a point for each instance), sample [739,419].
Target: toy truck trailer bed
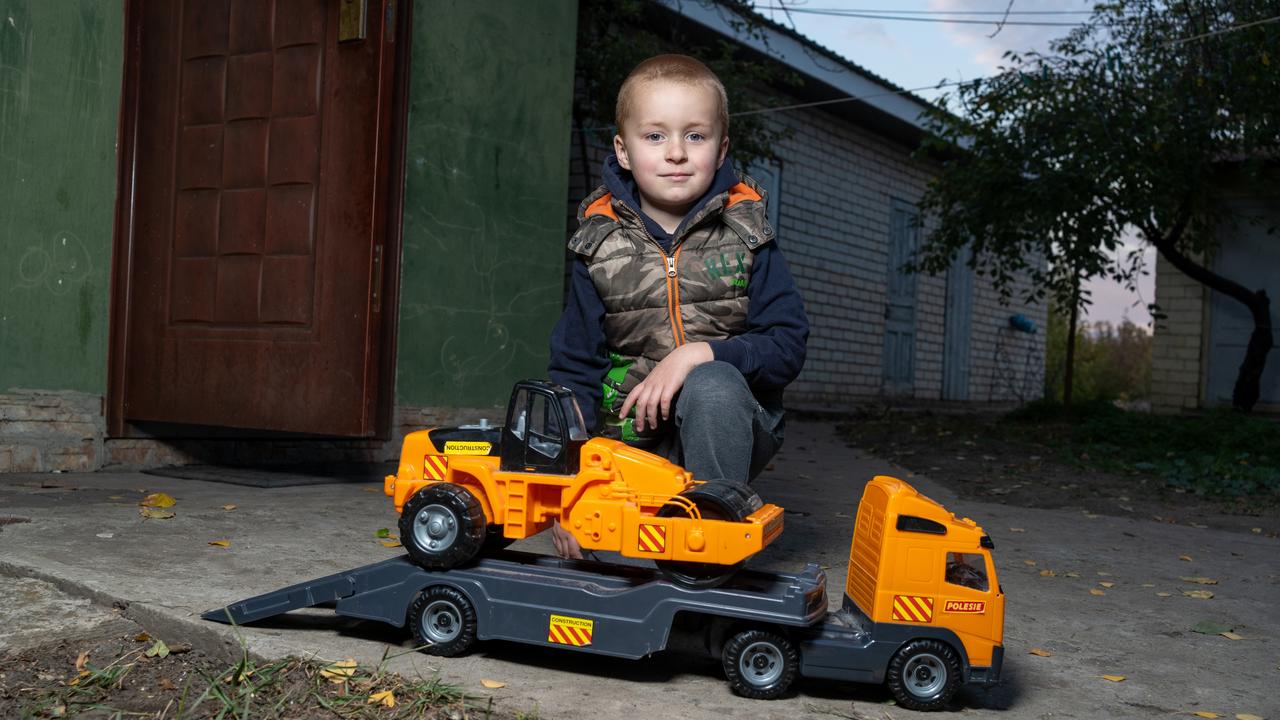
[923,611]
[767,628]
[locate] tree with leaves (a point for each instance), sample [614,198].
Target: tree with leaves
[1135,122]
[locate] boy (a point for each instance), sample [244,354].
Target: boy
[681,307]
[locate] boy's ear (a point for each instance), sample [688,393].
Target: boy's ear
[724,151]
[620,149]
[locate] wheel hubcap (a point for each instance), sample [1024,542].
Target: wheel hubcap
[441,621]
[761,663]
[924,675]
[435,528]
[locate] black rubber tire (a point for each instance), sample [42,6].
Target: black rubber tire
[760,664]
[443,621]
[456,543]
[924,675]
[715,501]
[494,540]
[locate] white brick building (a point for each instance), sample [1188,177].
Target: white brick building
[1197,348]
[843,194]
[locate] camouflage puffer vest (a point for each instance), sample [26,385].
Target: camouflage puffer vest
[654,302]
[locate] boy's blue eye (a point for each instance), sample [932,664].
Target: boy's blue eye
[696,137]
[653,137]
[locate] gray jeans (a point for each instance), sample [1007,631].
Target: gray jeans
[721,430]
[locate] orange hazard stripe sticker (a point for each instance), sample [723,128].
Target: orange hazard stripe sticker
[434,467]
[652,538]
[912,608]
[563,630]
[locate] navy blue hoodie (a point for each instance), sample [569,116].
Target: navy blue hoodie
[769,354]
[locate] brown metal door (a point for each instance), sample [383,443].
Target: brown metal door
[260,150]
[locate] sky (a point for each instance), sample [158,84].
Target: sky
[915,55]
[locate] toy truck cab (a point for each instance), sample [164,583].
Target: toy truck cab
[922,601]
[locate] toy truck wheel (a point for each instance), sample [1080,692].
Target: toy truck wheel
[443,621]
[715,501]
[442,526]
[760,664]
[924,675]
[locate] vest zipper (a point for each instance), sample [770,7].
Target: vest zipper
[673,288]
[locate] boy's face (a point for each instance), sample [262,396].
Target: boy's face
[672,144]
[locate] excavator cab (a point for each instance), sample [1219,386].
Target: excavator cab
[544,432]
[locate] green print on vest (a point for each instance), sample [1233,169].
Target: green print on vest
[723,267]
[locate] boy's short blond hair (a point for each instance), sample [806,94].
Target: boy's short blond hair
[671,68]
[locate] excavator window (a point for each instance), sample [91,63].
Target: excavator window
[544,428]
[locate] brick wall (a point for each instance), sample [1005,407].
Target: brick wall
[50,431]
[1177,345]
[837,184]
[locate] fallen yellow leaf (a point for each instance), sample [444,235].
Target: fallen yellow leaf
[80,661]
[121,497]
[1024,530]
[159,500]
[1039,653]
[220,543]
[1247,716]
[1200,580]
[141,637]
[76,680]
[1231,636]
[1184,558]
[1048,573]
[372,489]
[385,697]
[340,671]
[1073,574]
[1148,584]
[59,711]
[1113,678]
[1030,563]
[1103,574]
[1164,594]
[1096,591]
[1206,714]
[493,684]
[151,513]
[229,506]
[1106,584]
[390,543]
[1198,594]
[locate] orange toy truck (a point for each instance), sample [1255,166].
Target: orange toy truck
[923,612]
[463,490]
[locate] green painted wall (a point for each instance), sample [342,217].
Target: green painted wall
[484,220]
[60,69]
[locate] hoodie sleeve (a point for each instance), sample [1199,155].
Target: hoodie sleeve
[578,358]
[771,352]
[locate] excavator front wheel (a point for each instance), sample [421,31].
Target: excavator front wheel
[442,526]
[715,501]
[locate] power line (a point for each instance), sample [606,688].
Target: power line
[913,18]
[836,11]
[1225,30]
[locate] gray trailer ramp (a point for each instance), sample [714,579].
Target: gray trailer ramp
[613,610]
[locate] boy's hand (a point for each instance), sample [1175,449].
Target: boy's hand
[566,545]
[652,398]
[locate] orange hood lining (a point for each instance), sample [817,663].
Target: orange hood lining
[741,192]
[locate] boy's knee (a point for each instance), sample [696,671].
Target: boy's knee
[714,387]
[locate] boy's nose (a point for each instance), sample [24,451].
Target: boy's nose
[675,151]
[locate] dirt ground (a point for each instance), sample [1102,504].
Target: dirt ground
[113,677]
[981,457]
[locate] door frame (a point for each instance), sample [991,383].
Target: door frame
[390,221]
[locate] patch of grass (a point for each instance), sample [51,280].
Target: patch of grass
[288,688]
[1220,454]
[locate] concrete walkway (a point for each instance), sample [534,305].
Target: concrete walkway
[82,536]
